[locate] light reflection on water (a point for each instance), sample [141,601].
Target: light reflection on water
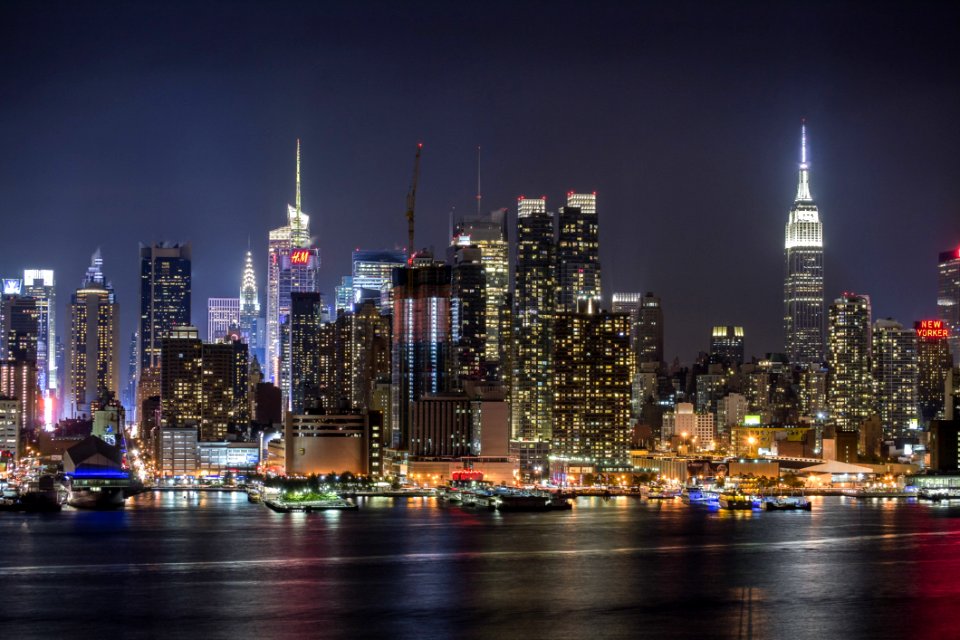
[219,566]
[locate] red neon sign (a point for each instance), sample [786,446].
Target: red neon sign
[932,329]
[300,256]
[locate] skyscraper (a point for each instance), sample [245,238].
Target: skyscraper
[650,330]
[292,265]
[803,281]
[304,337]
[165,285]
[181,378]
[726,345]
[489,234]
[895,374]
[468,312]
[535,295]
[422,358]
[578,252]
[251,321]
[948,298]
[371,352]
[39,285]
[93,350]
[372,277]
[593,370]
[630,304]
[934,361]
[222,315]
[849,380]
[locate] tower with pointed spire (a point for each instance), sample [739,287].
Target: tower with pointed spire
[292,266]
[251,322]
[803,279]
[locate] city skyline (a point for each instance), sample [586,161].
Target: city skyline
[230,184]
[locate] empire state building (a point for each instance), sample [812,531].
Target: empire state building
[803,280]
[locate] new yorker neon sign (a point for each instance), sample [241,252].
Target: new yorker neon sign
[932,329]
[300,256]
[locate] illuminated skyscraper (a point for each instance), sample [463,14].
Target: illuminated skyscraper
[726,346]
[650,330]
[165,285]
[39,285]
[593,371]
[222,315]
[849,380]
[372,277]
[948,298]
[803,282]
[292,266]
[535,295]
[422,354]
[934,360]
[371,353]
[468,312]
[895,374]
[578,252]
[251,321]
[629,303]
[93,350]
[304,337]
[181,377]
[489,234]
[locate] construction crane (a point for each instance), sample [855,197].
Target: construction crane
[412,201]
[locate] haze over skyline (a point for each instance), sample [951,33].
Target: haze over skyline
[123,123]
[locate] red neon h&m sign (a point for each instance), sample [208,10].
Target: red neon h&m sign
[300,256]
[932,329]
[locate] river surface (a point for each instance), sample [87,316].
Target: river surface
[208,565]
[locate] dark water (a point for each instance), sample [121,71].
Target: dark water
[215,566]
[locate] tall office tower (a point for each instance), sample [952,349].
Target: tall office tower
[630,303]
[534,304]
[895,374]
[803,282]
[223,314]
[422,362]
[93,350]
[39,285]
[344,295]
[164,297]
[223,375]
[292,266]
[373,276]
[934,360]
[593,371]
[726,346]
[251,321]
[181,377]
[370,337]
[578,252]
[650,330]
[20,328]
[489,234]
[468,307]
[18,379]
[849,383]
[304,336]
[948,298]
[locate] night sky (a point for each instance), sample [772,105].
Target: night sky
[139,122]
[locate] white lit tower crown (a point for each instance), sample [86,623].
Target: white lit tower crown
[250,322]
[803,280]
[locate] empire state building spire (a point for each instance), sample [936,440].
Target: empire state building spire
[803,279]
[803,186]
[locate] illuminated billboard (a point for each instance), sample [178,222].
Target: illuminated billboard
[931,329]
[12,286]
[752,420]
[300,256]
